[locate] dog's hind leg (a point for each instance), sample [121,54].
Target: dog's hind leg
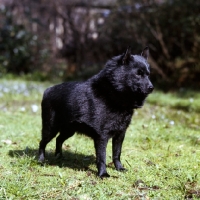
[117,141]
[49,129]
[47,136]
[64,135]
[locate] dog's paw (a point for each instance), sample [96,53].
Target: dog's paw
[41,158]
[122,169]
[104,175]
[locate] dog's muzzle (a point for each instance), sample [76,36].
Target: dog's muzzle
[150,89]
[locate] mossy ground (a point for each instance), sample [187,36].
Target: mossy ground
[161,151]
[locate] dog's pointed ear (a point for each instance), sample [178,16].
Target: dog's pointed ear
[145,53]
[126,57]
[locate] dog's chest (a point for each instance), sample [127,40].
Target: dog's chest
[109,123]
[116,122]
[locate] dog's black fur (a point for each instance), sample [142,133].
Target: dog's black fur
[100,107]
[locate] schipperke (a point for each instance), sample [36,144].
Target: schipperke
[100,107]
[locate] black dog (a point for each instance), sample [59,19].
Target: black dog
[100,107]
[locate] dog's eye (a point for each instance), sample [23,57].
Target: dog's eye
[140,73]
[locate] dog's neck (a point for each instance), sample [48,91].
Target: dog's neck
[103,89]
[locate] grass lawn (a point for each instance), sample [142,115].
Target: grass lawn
[161,151]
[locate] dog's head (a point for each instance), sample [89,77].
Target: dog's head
[129,74]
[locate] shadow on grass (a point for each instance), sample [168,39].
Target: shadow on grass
[73,160]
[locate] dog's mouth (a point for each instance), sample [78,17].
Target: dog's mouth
[144,94]
[140,99]
[138,104]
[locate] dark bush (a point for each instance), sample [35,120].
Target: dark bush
[19,52]
[79,36]
[170,28]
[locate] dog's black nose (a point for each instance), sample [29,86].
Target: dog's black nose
[150,88]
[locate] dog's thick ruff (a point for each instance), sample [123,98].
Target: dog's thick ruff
[100,107]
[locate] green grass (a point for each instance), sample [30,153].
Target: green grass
[161,151]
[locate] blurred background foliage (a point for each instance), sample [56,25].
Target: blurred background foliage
[72,39]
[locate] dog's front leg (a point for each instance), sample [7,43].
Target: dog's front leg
[100,147]
[116,148]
